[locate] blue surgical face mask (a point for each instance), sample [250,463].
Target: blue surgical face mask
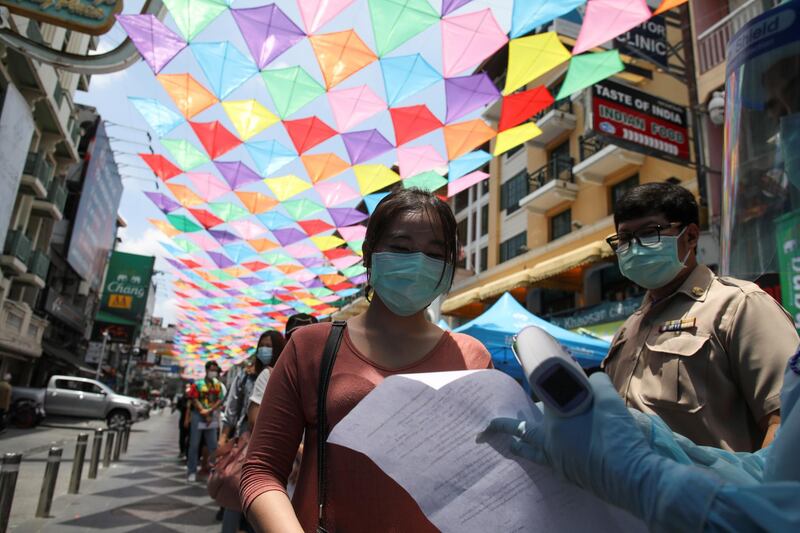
[652,267]
[408,282]
[264,354]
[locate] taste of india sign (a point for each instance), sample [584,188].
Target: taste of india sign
[94,17]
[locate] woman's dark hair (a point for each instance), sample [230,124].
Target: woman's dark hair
[298,320]
[278,342]
[412,200]
[676,203]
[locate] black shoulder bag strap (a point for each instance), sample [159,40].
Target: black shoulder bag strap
[325,370]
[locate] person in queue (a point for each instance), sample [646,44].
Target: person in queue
[606,452]
[235,422]
[270,347]
[298,320]
[205,397]
[704,353]
[410,251]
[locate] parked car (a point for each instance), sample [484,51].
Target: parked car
[84,398]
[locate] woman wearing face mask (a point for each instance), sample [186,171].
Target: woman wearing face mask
[410,251]
[234,419]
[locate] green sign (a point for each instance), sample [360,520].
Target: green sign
[787,229]
[126,289]
[94,17]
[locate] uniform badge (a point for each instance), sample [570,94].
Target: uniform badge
[697,291]
[678,325]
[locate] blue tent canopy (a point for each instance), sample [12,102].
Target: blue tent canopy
[497,326]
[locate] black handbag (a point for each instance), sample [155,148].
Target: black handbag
[325,371]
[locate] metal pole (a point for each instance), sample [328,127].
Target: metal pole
[49,482]
[110,434]
[8,481]
[118,444]
[125,436]
[96,445]
[77,463]
[102,356]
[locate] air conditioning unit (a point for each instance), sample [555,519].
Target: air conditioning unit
[83,288]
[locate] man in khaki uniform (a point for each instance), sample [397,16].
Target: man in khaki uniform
[704,353]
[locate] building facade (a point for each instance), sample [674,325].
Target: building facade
[537,227]
[41,133]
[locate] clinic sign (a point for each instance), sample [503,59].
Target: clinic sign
[787,231]
[94,17]
[657,126]
[647,40]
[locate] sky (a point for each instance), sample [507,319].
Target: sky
[128,130]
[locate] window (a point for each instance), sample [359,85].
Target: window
[621,189]
[557,301]
[485,183]
[513,191]
[484,263]
[69,384]
[513,247]
[462,200]
[561,151]
[485,220]
[517,148]
[91,388]
[561,224]
[461,231]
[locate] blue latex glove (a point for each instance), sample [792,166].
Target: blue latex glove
[605,452]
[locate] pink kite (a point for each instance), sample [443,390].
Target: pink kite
[606,19]
[418,159]
[469,39]
[353,106]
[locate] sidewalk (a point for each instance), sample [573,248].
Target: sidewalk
[146,491]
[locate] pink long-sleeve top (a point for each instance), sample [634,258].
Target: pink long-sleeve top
[360,497]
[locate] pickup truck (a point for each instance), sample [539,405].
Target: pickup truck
[84,398]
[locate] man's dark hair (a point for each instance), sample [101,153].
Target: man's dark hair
[297,320]
[676,203]
[212,364]
[412,200]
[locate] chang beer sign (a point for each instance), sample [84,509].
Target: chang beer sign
[127,286]
[94,17]
[787,229]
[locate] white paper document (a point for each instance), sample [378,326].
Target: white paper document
[425,431]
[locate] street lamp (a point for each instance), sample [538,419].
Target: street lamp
[102,356]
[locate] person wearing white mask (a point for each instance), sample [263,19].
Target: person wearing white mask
[704,353]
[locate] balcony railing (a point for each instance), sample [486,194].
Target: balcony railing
[590,145]
[57,195]
[18,245]
[712,43]
[557,168]
[564,105]
[39,167]
[39,264]
[34,33]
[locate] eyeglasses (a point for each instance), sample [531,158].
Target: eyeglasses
[646,237]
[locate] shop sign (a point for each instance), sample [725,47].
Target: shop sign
[16,131]
[125,294]
[66,311]
[640,119]
[648,40]
[94,353]
[787,230]
[94,17]
[95,226]
[598,314]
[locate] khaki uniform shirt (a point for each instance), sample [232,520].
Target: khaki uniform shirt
[5,395]
[708,359]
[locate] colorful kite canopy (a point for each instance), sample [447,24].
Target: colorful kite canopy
[282,126]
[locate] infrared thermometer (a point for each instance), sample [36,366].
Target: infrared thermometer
[555,377]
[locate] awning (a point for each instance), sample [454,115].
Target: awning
[67,357]
[108,318]
[584,255]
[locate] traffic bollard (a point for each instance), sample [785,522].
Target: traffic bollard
[117,445]
[49,482]
[110,434]
[96,445]
[77,463]
[8,481]
[128,426]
